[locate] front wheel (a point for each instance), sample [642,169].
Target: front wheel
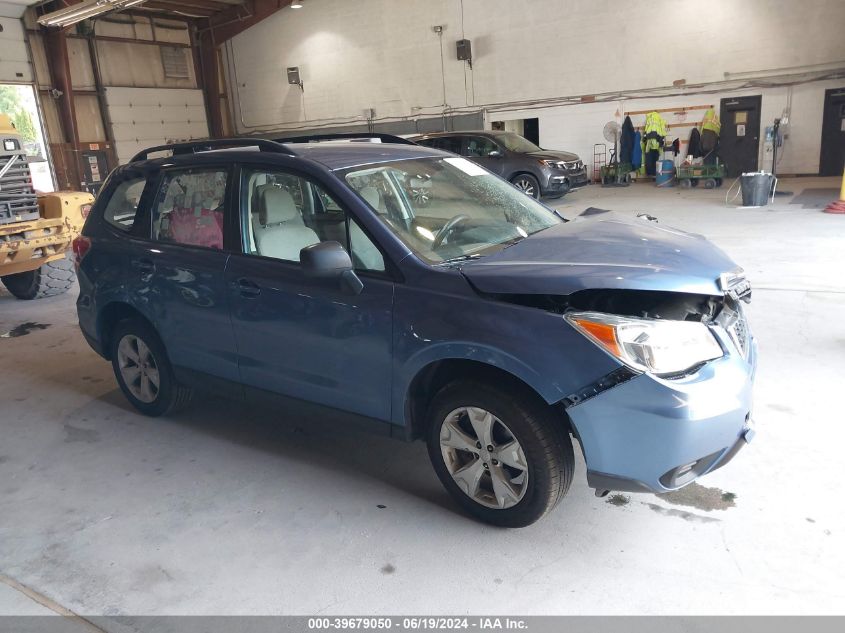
[527,184]
[503,457]
[143,370]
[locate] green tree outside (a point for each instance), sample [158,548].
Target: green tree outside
[11,104]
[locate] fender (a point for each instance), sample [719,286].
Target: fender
[463,350]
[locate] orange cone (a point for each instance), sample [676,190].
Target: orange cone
[838,206]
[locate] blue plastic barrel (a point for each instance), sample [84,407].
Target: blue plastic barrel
[665,173]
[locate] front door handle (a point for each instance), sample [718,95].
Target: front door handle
[248,289]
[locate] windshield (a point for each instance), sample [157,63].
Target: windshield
[448,208]
[515,143]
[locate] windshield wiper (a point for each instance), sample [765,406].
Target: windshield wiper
[460,258]
[511,242]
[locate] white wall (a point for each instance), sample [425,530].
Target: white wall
[382,54]
[578,127]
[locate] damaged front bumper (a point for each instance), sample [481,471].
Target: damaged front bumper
[651,434]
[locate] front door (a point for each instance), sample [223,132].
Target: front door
[301,337]
[478,148]
[739,141]
[833,133]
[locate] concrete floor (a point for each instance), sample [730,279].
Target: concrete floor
[231,510]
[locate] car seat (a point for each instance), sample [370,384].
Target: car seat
[280,231]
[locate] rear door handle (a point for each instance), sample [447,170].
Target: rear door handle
[248,288]
[144,265]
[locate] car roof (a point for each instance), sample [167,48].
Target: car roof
[333,155]
[462,133]
[345,154]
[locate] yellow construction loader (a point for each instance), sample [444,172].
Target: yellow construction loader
[36,230]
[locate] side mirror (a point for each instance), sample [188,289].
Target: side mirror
[494,154]
[328,260]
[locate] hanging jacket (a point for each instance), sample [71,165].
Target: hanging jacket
[654,131]
[694,145]
[626,142]
[637,153]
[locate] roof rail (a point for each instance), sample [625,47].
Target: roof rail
[350,136]
[192,147]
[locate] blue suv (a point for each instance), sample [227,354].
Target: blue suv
[472,317]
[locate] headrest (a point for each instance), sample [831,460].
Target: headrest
[278,207]
[371,196]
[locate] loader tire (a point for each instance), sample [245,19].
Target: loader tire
[53,278]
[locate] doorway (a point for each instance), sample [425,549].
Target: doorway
[17,102]
[832,157]
[739,141]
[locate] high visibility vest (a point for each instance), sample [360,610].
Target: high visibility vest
[711,121]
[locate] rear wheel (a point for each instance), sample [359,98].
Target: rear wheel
[143,370]
[504,458]
[685,183]
[53,278]
[527,184]
[709,183]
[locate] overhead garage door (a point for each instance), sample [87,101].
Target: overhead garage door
[14,60]
[143,117]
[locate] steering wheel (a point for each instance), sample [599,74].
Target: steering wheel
[447,230]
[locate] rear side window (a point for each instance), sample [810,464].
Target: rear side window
[446,143]
[123,205]
[189,208]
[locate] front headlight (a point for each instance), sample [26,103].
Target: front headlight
[652,345]
[554,164]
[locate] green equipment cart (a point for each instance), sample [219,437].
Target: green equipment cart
[710,176]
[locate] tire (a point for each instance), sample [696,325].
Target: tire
[709,183]
[527,184]
[53,278]
[685,183]
[546,456]
[168,396]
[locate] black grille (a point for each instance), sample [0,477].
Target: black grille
[18,201]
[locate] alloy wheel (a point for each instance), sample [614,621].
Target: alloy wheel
[484,457]
[138,368]
[525,186]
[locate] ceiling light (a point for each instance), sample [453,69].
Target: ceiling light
[84,10]
[297,4]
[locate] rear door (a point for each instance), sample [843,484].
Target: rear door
[180,275]
[739,141]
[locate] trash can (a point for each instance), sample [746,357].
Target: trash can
[756,188]
[665,173]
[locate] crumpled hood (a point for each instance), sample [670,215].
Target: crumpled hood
[603,250]
[548,154]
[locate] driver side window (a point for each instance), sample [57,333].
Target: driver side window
[283,213]
[478,146]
